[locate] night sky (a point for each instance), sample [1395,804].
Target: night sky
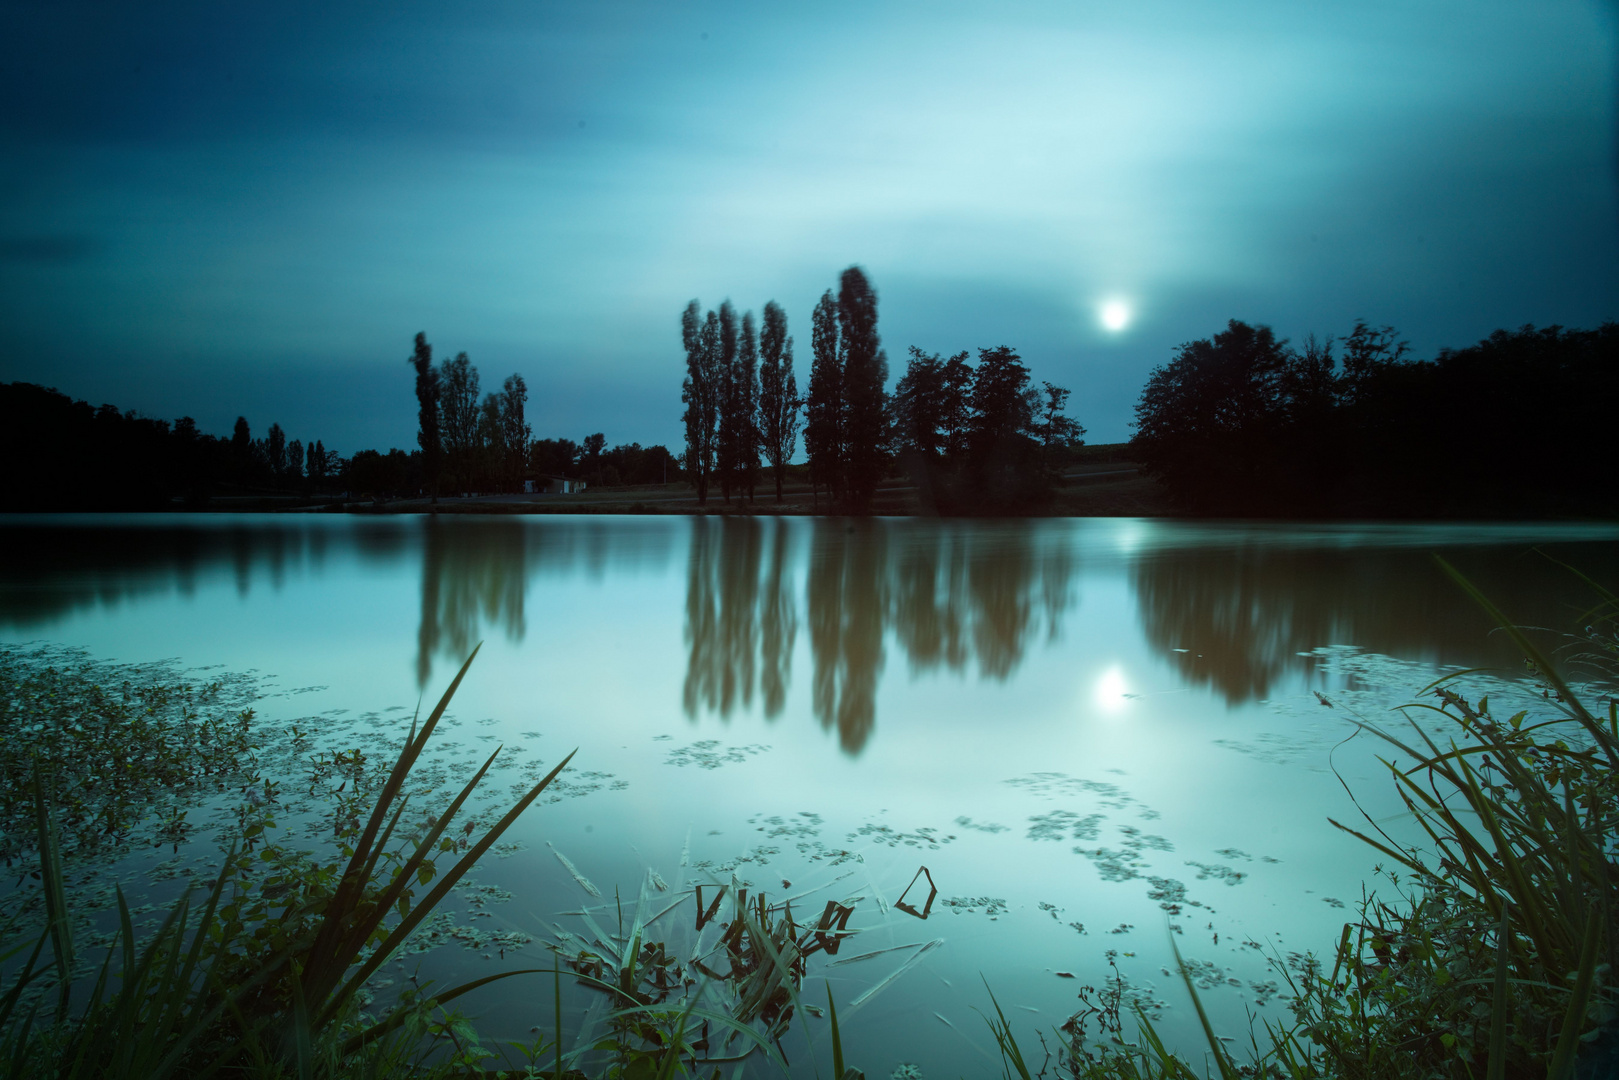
[222,208]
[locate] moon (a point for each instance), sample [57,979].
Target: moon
[1115,315]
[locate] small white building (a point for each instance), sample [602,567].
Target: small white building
[553,485]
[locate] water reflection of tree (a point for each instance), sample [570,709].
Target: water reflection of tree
[739,629]
[470,576]
[475,573]
[955,596]
[1244,613]
[846,593]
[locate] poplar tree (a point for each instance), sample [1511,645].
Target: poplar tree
[698,391]
[427,398]
[458,417]
[515,431]
[275,449]
[823,421]
[778,393]
[745,394]
[728,453]
[865,373]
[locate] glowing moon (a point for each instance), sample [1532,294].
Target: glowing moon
[1115,315]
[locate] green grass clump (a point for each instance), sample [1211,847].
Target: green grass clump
[1494,954]
[265,977]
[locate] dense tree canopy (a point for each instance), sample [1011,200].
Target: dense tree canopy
[1242,423]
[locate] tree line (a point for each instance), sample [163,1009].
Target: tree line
[67,454]
[1519,424]
[974,439]
[466,444]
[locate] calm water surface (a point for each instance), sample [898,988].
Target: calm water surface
[1093,733]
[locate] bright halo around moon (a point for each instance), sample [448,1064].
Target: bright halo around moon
[1115,315]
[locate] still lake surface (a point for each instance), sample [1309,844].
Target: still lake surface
[1093,733]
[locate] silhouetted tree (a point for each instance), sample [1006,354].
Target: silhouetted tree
[458,418]
[700,393]
[1056,430]
[955,408]
[918,405]
[241,448]
[732,425]
[275,450]
[1207,422]
[824,413]
[745,393]
[778,393]
[591,452]
[295,459]
[515,432]
[427,411]
[865,375]
[317,463]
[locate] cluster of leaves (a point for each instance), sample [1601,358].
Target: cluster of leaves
[112,754]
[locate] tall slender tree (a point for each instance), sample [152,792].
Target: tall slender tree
[865,375]
[823,421]
[699,393]
[733,426]
[427,399]
[745,391]
[275,450]
[515,432]
[458,418]
[778,393]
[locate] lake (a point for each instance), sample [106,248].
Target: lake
[1095,734]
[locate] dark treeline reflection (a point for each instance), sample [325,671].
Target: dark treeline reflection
[956,596]
[1244,613]
[474,571]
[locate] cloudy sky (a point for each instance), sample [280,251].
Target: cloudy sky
[212,209]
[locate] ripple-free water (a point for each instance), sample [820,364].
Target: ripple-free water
[1093,733]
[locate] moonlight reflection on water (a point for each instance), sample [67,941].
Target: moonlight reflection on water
[833,704]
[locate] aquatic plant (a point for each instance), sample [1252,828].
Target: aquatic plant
[1494,955]
[112,744]
[270,970]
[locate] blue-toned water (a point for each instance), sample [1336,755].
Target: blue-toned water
[1093,733]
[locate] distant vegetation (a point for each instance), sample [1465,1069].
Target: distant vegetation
[70,455]
[974,440]
[63,454]
[1242,424]
[1519,424]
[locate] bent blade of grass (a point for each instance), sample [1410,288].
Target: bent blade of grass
[910,962]
[1228,1071]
